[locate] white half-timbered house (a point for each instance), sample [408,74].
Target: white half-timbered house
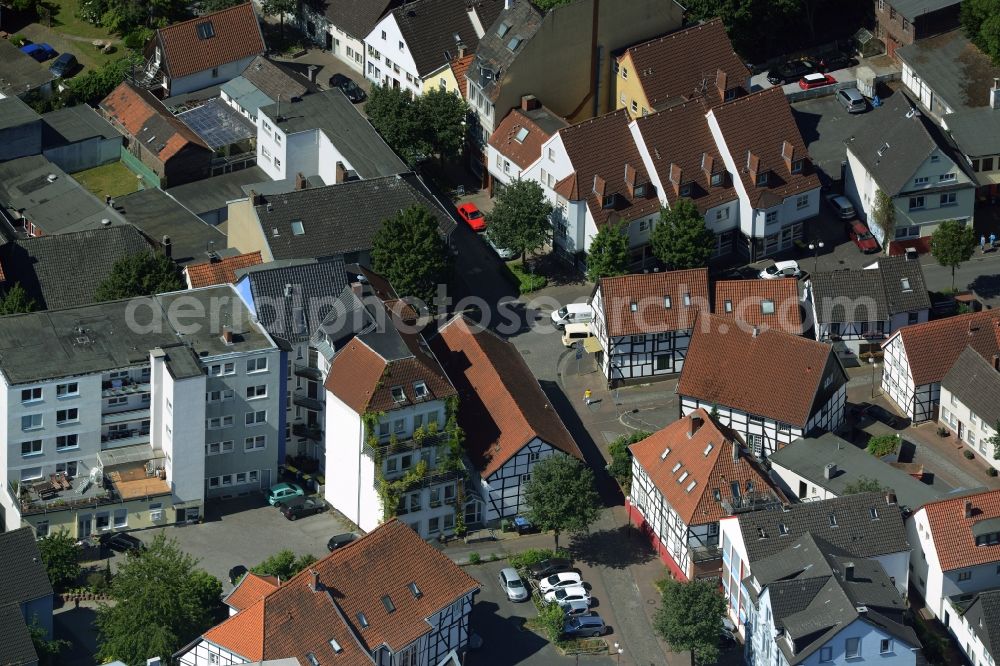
[684,479]
[643,322]
[769,386]
[970,403]
[508,422]
[916,358]
[388,598]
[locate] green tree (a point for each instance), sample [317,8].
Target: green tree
[751,24]
[620,467]
[160,603]
[47,649]
[60,556]
[16,300]
[981,22]
[608,255]
[680,239]
[884,216]
[690,617]
[995,440]
[551,619]
[561,496]
[546,5]
[441,117]
[409,252]
[519,220]
[279,8]
[863,484]
[952,244]
[283,565]
[395,116]
[883,445]
[141,274]
[219,5]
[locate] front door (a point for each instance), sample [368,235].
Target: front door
[265,480]
[83,526]
[329,42]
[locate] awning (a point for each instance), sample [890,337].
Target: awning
[128,454]
[592,345]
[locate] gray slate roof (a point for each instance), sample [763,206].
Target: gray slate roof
[71,124]
[274,80]
[210,194]
[19,72]
[976,131]
[14,113]
[877,293]
[22,577]
[983,616]
[338,219]
[433,28]
[913,9]
[333,114]
[808,457]
[64,270]
[521,21]
[953,68]
[976,383]
[315,287]
[358,17]
[158,214]
[16,646]
[855,531]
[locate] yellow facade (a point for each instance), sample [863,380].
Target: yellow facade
[140,515]
[629,93]
[442,78]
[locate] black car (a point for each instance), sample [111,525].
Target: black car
[832,63]
[791,71]
[299,507]
[340,540]
[236,573]
[349,87]
[122,542]
[549,567]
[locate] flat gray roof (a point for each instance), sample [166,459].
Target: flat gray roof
[953,68]
[158,214]
[203,196]
[76,123]
[14,113]
[914,9]
[41,346]
[19,72]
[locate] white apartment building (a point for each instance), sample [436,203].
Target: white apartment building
[131,413]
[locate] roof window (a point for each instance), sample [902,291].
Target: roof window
[691,486]
[633,306]
[387,602]
[682,477]
[767,306]
[873,512]
[398,395]
[362,620]
[514,43]
[676,467]
[205,30]
[521,135]
[708,449]
[503,29]
[666,452]
[905,284]
[666,302]
[297,228]
[311,658]
[782,529]
[415,591]
[716,494]
[833,520]
[420,389]
[336,646]
[729,306]
[761,533]
[687,300]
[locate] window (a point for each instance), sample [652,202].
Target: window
[31,395]
[624,72]
[771,217]
[762,179]
[398,395]
[31,448]
[222,369]
[826,653]
[399,425]
[420,390]
[256,392]
[383,34]
[256,418]
[921,180]
[949,199]
[526,477]
[767,306]
[885,646]
[635,106]
[103,520]
[205,30]
[717,179]
[121,518]
[947,177]
[219,422]
[987,164]
[852,648]
[42,528]
[31,474]
[666,302]
[257,365]
[252,476]
[402,46]
[802,201]
[122,400]
[227,479]
[916,203]
[213,482]
[67,390]
[797,166]
[65,442]
[258,443]
[965,575]
[67,416]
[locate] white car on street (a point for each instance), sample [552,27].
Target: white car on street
[558,580]
[566,594]
[781,269]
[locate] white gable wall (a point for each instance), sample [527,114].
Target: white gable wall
[387,63]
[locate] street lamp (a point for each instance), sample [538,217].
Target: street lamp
[816,247]
[871,362]
[619,649]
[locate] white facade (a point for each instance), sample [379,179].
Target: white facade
[503,490]
[389,61]
[967,427]
[347,48]
[919,403]
[177,417]
[213,76]
[967,638]
[309,152]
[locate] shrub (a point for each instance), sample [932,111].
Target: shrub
[97,582]
[883,445]
[550,620]
[620,467]
[533,556]
[494,557]
[526,282]
[474,558]
[942,431]
[969,455]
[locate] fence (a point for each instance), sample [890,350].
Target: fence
[799,95]
[138,168]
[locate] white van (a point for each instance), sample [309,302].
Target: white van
[574,313]
[574,333]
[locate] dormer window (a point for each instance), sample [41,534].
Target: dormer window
[640,191]
[398,395]
[608,201]
[420,390]
[762,179]
[686,190]
[730,95]
[666,302]
[797,166]
[718,179]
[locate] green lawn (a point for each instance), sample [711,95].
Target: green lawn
[527,282]
[69,33]
[109,180]
[65,20]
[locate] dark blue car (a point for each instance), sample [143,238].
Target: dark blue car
[40,52]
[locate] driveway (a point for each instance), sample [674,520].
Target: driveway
[825,126]
[325,65]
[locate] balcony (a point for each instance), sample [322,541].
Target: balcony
[306,372]
[309,403]
[118,438]
[432,478]
[312,432]
[126,416]
[120,387]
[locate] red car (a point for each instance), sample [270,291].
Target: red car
[472,216]
[862,237]
[810,81]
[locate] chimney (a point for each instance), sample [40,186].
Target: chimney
[461,50]
[788,154]
[829,471]
[315,580]
[530,103]
[890,497]
[227,335]
[720,83]
[630,180]
[358,289]
[968,509]
[675,178]
[995,94]
[753,164]
[340,173]
[756,331]
[168,248]
[300,182]
[694,426]
[848,570]
[707,162]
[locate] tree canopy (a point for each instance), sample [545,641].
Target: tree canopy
[863,484]
[16,301]
[561,496]
[680,239]
[416,128]
[283,564]
[60,557]
[981,22]
[161,603]
[519,220]
[279,8]
[441,116]
[952,244]
[409,252]
[690,617]
[140,274]
[608,254]
[884,216]
[620,467]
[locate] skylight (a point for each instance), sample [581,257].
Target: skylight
[521,135]
[503,29]
[691,486]
[297,228]
[313,661]
[782,529]
[666,452]
[676,467]
[415,591]
[683,476]
[420,389]
[687,300]
[205,30]
[729,306]
[905,283]
[398,395]
[767,306]
[708,449]
[833,520]
[666,302]
[335,645]
[514,43]
[873,512]
[387,602]
[362,620]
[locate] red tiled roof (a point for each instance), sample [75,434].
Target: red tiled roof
[686,62]
[250,590]
[459,66]
[295,620]
[526,151]
[146,119]
[745,298]
[952,531]
[503,407]
[236,35]
[706,459]
[680,137]
[772,374]
[760,124]
[647,292]
[599,149]
[932,347]
[222,271]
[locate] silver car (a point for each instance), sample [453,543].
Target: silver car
[512,585]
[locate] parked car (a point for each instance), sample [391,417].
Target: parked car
[352,90]
[790,71]
[506,255]
[572,593]
[236,573]
[853,100]
[842,206]
[781,269]
[575,607]
[40,52]
[472,216]
[558,580]
[341,540]
[573,333]
[512,584]
[833,62]
[816,80]
[300,507]
[550,566]
[122,542]
[572,313]
[283,491]
[585,625]
[862,237]
[64,64]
